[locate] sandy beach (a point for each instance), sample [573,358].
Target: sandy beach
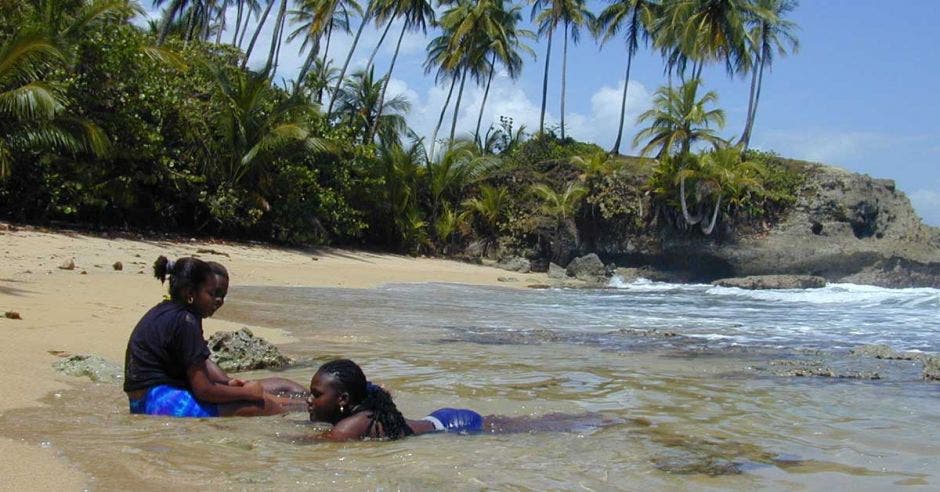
[92,308]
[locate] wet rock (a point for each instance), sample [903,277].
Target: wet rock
[507,279]
[556,272]
[68,264]
[712,467]
[12,315]
[815,368]
[242,351]
[539,286]
[883,352]
[515,264]
[588,268]
[93,367]
[118,266]
[760,282]
[645,333]
[932,368]
[211,252]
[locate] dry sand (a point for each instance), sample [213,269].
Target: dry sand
[92,308]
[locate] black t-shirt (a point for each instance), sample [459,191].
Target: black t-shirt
[166,341]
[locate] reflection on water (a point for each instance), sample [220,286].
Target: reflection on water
[652,410]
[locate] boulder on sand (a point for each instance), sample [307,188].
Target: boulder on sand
[588,268]
[242,351]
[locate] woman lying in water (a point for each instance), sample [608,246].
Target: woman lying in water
[167,370]
[341,395]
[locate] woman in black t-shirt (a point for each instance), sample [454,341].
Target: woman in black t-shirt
[167,370]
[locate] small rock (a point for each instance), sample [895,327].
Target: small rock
[242,351]
[84,272]
[761,282]
[507,279]
[556,272]
[588,268]
[539,286]
[932,368]
[211,252]
[95,368]
[878,352]
[314,258]
[516,264]
[68,264]
[12,315]
[118,266]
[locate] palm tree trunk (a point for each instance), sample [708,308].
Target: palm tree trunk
[750,104]
[753,116]
[241,37]
[440,120]
[623,106]
[378,45]
[276,36]
[238,20]
[308,62]
[188,33]
[564,73]
[254,37]
[453,123]
[168,20]
[342,73]
[388,77]
[486,93]
[548,56]
[685,209]
[326,50]
[707,230]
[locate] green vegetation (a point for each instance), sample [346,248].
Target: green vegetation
[164,128]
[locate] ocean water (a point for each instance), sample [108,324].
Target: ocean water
[659,386]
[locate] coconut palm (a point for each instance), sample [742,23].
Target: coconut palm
[33,113]
[255,124]
[317,18]
[560,209]
[254,37]
[504,44]
[401,170]
[487,210]
[702,31]
[769,33]
[416,15]
[714,176]
[679,119]
[358,103]
[366,18]
[634,18]
[572,14]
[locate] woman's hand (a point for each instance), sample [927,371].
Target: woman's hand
[253,389]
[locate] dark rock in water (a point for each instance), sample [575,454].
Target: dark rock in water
[507,279]
[539,286]
[712,467]
[12,315]
[588,268]
[242,351]
[815,368]
[883,352]
[95,368]
[760,282]
[556,272]
[516,264]
[932,368]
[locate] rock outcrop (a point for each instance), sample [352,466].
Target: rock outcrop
[761,282]
[93,367]
[242,351]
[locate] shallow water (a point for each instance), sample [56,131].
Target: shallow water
[676,384]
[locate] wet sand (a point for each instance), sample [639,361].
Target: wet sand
[92,308]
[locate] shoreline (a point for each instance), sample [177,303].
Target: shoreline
[91,308]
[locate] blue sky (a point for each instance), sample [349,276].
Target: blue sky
[861,93]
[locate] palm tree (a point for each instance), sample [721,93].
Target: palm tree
[245,9]
[634,18]
[678,119]
[769,33]
[33,113]
[416,15]
[572,14]
[366,18]
[256,123]
[318,18]
[401,172]
[461,165]
[487,210]
[715,175]
[702,31]
[560,209]
[504,45]
[358,103]
[258,28]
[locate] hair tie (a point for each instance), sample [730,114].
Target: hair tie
[169,266]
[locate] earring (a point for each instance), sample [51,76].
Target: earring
[190,300]
[342,409]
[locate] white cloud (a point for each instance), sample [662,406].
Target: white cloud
[820,145]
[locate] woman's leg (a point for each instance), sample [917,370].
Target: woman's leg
[271,405]
[281,385]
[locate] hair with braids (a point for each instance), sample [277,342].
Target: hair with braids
[386,421]
[218,268]
[185,273]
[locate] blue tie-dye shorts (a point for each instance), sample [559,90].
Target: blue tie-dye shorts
[171,401]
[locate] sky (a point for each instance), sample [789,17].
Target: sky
[861,93]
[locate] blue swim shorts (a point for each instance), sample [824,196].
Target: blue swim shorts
[459,420]
[171,401]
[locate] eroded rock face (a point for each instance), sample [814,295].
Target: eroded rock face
[242,351]
[760,282]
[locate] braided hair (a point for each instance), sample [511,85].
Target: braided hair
[185,273]
[386,421]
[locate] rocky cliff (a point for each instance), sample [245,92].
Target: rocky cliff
[845,227]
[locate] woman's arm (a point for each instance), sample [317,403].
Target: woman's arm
[216,374]
[205,389]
